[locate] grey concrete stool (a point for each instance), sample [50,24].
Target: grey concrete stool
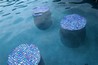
[42,17]
[25,54]
[72,30]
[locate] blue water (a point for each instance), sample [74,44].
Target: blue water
[17,27]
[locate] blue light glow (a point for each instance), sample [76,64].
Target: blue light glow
[24,54]
[73,22]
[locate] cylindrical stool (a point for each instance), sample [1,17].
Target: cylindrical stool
[42,17]
[73,30]
[25,54]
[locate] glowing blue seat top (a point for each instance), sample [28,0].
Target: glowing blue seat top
[73,22]
[24,54]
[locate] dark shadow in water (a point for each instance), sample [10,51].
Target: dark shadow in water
[20,2]
[6,14]
[73,39]
[41,62]
[21,6]
[1,10]
[96,34]
[67,7]
[86,64]
[94,3]
[14,9]
[45,2]
[56,0]
[8,4]
[18,12]
[31,2]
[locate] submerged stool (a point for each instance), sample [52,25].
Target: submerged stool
[42,17]
[25,54]
[73,30]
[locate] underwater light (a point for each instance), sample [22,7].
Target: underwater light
[42,17]
[73,22]
[24,54]
[73,30]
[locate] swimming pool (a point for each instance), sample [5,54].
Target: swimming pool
[17,27]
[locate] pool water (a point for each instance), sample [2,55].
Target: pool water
[17,27]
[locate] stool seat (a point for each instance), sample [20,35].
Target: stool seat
[24,54]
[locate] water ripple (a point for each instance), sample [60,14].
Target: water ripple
[6,14]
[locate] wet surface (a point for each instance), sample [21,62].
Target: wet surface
[17,27]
